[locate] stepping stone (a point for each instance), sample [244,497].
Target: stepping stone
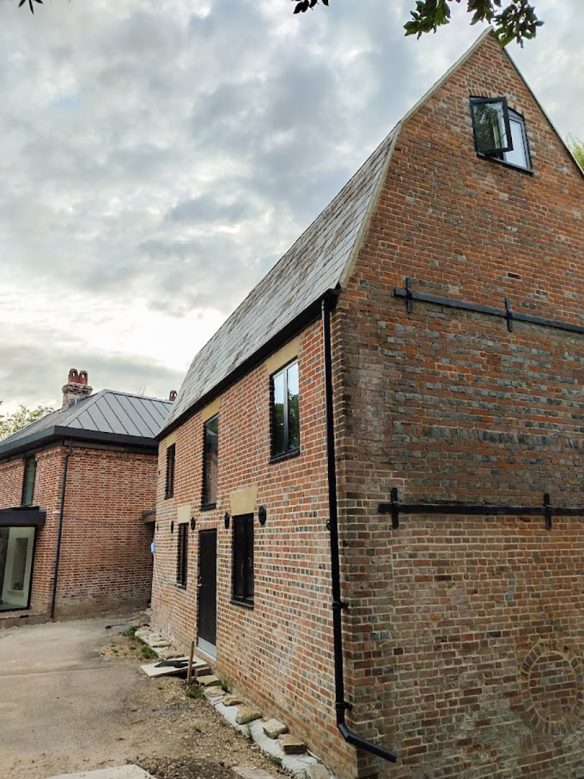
[158,643]
[292,745]
[273,728]
[209,680]
[232,700]
[239,772]
[213,693]
[246,714]
[317,771]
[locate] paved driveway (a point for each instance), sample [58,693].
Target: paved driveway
[62,705]
[66,707]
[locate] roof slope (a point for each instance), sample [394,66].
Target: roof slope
[313,265]
[107,412]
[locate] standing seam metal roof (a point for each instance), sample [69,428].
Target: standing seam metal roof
[108,411]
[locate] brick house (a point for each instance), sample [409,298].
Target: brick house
[77,498]
[392,421]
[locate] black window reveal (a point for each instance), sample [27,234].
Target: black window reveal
[210,461]
[28,481]
[170,461]
[285,411]
[182,554]
[499,132]
[17,548]
[243,585]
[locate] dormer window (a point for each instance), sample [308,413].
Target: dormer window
[499,132]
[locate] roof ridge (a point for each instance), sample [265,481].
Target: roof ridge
[134,395]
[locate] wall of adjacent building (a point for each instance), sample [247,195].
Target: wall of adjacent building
[465,633]
[105,553]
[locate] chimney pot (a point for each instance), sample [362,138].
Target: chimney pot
[76,387]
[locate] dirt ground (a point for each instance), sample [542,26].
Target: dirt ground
[73,698]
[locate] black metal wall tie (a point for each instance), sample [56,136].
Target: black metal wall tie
[546,510]
[509,315]
[506,313]
[409,296]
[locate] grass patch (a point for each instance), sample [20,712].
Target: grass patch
[224,684]
[275,760]
[147,652]
[195,692]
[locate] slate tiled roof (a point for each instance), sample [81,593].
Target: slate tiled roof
[107,415]
[313,265]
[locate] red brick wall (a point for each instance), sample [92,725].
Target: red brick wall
[466,633]
[105,556]
[280,652]
[106,559]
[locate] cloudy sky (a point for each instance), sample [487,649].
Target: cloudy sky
[158,156]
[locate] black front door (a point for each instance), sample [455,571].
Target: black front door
[207,633]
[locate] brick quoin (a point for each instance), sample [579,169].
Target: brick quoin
[463,641]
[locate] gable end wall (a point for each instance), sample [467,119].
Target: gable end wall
[466,634]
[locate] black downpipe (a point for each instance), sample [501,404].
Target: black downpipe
[60,531]
[341,705]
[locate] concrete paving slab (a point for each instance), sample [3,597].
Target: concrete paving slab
[154,670]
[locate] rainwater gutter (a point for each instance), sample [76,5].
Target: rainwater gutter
[341,705]
[60,531]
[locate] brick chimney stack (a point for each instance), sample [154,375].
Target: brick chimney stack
[76,387]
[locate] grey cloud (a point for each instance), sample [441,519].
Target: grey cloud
[205,209]
[37,374]
[154,151]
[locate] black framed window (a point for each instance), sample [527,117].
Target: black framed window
[28,481]
[243,579]
[499,132]
[182,554]
[285,411]
[210,462]
[170,462]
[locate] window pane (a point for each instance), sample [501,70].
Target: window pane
[210,461]
[182,554]
[518,155]
[19,566]
[238,558]
[170,458]
[16,555]
[489,126]
[293,408]
[249,558]
[28,483]
[279,415]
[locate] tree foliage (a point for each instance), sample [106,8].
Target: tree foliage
[30,4]
[24,416]
[577,148]
[516,20]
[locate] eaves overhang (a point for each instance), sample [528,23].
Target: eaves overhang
[22,516]
[295,326]
[57,433]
